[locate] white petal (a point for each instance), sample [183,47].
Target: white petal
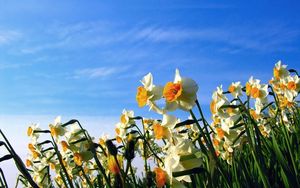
[177,76]
[169,121]
[148,81]
[57,120]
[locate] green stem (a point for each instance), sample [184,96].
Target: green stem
[19,162]
[93,149]
[61,163]
[86,178]
[133,176]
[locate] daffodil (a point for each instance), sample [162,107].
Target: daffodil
[218,100]
[235,89]
[149,93]
[257,91]
[280,70]
[31,131]
[181,156]
[161,177]
[181,93]
[56,128]
[292,87]
[161,132]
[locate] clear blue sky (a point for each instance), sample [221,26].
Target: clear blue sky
[84,59]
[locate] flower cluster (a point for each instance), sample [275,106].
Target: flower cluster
[176,153]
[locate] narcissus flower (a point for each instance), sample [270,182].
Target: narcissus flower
[149,93]
[181,93]
[161,177]
[31,133]
[218,100]
[257,91]
[126,117]
[65,146]
[292,87]
[56,129]
[181,156]
[78,159]
[235,89]
[280,71]
[160,131]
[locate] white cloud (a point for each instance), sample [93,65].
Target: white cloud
[266,38]
[99,72]
[8,36]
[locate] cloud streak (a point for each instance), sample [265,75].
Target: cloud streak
[98,72]
[80,35]
[8,36]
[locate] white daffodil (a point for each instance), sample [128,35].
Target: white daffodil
[292,87]
[169,121]
[56,129]
[182,93]
[71,134]
[218,100]
[235,89]
[280,71]
[257,91]
[149,93]
[181,156]
[227,123]
[31,131]
[249,85]
[126,116]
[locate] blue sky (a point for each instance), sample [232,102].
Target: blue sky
[85,58]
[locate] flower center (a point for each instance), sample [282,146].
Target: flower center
[29,131]
[276,73]
[231,88]
[255,92]
[292,85]
[220,133]
[248,88]
[78,159]
[172,91]
[160,177]
[160,131]
[141,96]
[64,146]
[213,106]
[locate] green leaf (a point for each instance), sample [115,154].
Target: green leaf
[186,122]
[6,157]
[188,172]
[72,121]
[87,155]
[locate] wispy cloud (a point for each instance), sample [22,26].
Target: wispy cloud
[8,36]
[232,39]
[267,38]
[98,72]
